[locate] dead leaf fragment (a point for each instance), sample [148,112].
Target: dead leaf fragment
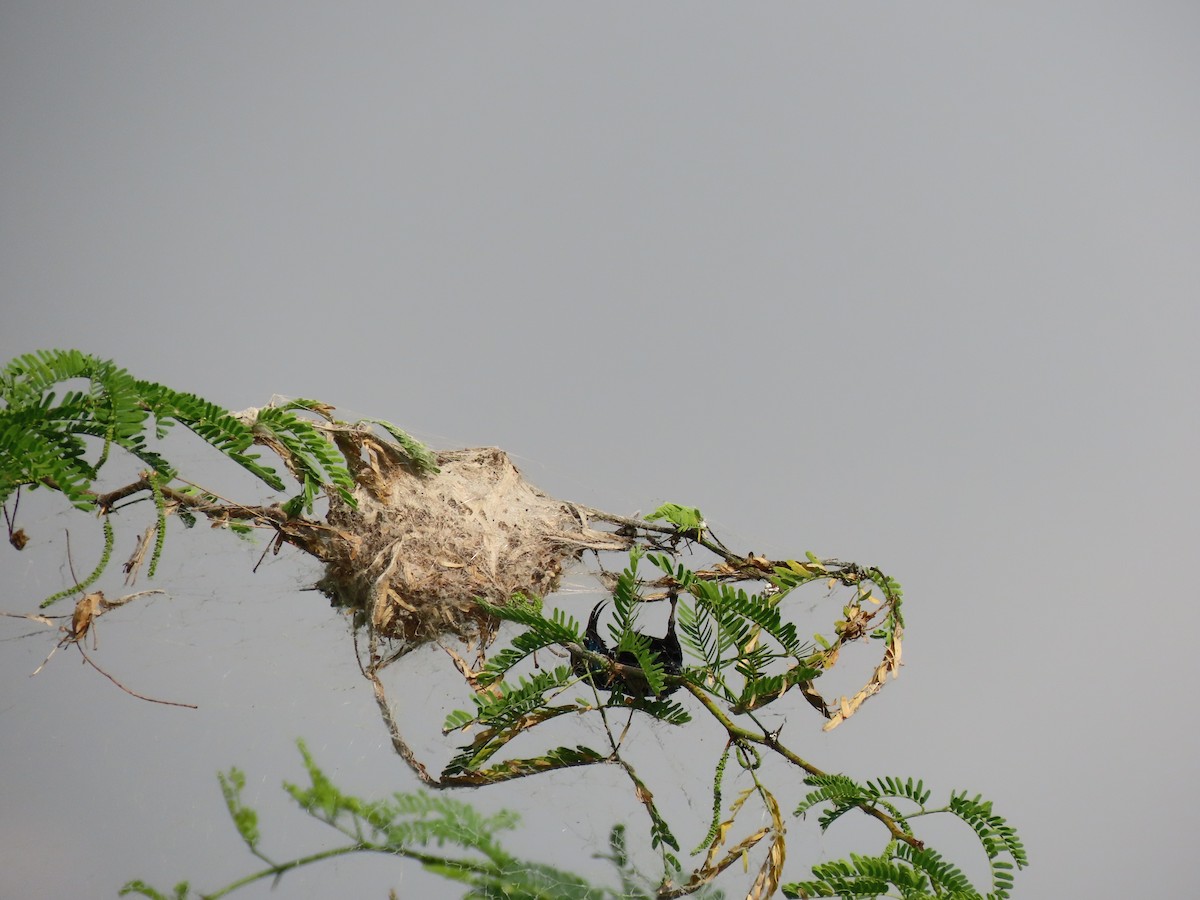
[86,611]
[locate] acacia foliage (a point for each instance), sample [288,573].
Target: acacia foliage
[65,413]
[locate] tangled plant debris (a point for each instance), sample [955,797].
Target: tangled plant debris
[419,549]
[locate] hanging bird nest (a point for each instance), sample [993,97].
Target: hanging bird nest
[421,547]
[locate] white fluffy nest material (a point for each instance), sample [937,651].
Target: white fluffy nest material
[421,548]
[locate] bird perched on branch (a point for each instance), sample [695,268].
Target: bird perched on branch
[666,649]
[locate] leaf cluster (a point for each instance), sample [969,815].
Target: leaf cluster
[687,519]
[747,654]
[56,435]
[44,436]
[508,704]
[909,868]
[446,836]
[750,655]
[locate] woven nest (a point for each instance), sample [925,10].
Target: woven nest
[420,549]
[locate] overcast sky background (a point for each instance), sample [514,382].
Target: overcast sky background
[910,284]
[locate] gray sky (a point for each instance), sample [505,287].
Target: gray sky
[913,285]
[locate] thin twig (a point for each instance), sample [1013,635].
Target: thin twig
[672,531]
[132,693]
[770,740]
[398,743]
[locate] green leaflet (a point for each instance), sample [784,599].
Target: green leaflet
[685,518]
[903,868]
[63,442]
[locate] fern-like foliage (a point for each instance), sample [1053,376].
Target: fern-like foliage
[863,877]
[559,629]
[405,820]
[999,839]
[510,702]
[907,868]
[748,653]
[734,631]
[938,871]
[245,818]
[843,794]
[420,455]
[215,426]
[58,436]
[446,836]
[43,436]
[308,454]
[563,630]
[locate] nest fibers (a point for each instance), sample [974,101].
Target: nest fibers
[421,548]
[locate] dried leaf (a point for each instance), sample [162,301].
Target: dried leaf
[643,794]
[138,555]
[717,842]
[86,611]
[814,698]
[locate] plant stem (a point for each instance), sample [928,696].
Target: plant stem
[771,741]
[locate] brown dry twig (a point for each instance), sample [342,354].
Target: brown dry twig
[87,612]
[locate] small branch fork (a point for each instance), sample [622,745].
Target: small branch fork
[770,740]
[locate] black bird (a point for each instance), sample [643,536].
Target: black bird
[667,649]
[585,668]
